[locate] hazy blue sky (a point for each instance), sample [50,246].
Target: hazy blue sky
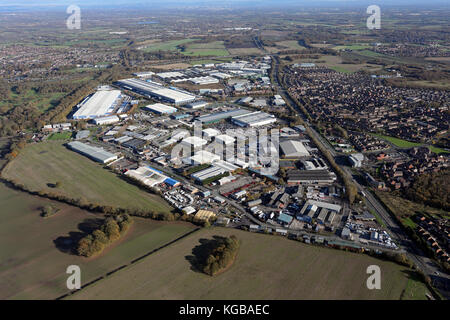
[182,3]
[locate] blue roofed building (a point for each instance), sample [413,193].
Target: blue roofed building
[172,182]
[284,218]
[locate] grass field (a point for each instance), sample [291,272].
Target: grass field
[167,45]
[267,267]
[398,142]
[401,143]
[215,48]
[352,47]
[60,135]
[244,51]
[34,262]
[335,63]
[41,164]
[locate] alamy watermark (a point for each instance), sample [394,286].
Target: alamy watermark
[73,22]
[374,20]
[374,281]
[74,280]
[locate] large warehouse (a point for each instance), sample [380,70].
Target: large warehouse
[293,149]
[160,108]
[155,90]
[100,104]
[219,116]
[254,119]
[96,154]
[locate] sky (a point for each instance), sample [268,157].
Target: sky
[30,4]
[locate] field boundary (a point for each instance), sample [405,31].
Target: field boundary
[109,273]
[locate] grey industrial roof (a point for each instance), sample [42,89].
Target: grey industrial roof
[223,115]
[157,89]
[95,153]
[293,148]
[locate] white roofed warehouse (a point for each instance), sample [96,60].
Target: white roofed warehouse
[254,119]
[160,108]
[100,104]
[106,120]
[193,143]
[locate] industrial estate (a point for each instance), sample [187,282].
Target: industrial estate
[260,145]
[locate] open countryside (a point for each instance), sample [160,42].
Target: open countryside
[34,245]
[41,165]
[300,272]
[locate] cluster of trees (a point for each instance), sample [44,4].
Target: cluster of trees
[14,149]
[221,255]
[48,211]
[432,189]
[110,231]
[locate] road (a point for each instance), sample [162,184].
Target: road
[440,279]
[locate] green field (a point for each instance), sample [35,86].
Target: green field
[398,142]
[167,45]
[60,135]
[352,47]
[267,267]
[215,48]
[401,143]
[34,261]
[41,164]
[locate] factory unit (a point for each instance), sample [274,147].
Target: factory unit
[311,207]
[197,105]
[145,74]
[254,119]
[210,133]
[218,167]
[318,177]
[203,80]
[101,103]
[201,157]
[94,153]
[210,172]
[314,164]
[106,120]
[293,149]
[155,90]
[193,142]
[147,175]
[224,139]
[356,160]
[160,108]
[219,116]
